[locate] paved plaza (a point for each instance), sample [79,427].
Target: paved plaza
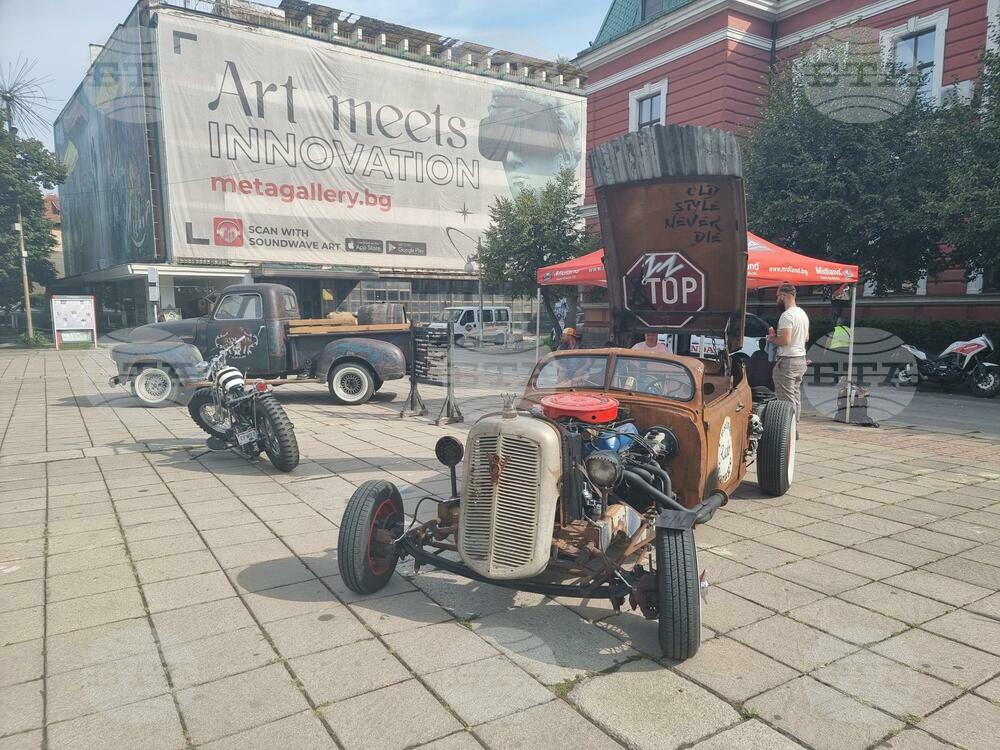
[153,599]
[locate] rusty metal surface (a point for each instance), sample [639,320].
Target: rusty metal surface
[385,358]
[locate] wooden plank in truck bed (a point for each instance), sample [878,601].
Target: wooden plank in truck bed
[305,328]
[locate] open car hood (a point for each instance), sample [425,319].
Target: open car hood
[673,218]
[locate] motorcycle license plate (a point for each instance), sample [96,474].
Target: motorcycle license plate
[249,436]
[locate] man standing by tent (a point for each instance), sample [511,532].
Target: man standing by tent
[793,332]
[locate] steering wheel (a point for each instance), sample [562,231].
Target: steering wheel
[649,384]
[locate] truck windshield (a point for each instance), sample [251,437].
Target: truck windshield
[573,372]
[653,376]
[449,315]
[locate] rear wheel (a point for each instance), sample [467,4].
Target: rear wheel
[679,595]
[351,383]
[156,386]
[209,416]
[985,381]
[776,450]
[277,435]
[366,551]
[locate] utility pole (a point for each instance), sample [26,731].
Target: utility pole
[24,278]
[479,265]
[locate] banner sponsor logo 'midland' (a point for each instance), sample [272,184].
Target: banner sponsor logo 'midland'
[349,150]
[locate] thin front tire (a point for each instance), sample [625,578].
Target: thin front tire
[679,593]
[366,551]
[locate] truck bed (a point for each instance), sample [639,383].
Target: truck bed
[309,327]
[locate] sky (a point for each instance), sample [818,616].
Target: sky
[57,33]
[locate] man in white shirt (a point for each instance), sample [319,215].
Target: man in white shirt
[793,332]
[651,343]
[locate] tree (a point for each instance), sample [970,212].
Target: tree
[864,193]
[531,230]
[972,199]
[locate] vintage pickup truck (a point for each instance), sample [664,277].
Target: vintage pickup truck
[353,360]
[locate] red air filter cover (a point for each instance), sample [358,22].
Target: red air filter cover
[586,408]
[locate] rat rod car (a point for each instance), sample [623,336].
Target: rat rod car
[591,486]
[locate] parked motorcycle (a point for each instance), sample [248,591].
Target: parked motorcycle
[963,361]
[246,419]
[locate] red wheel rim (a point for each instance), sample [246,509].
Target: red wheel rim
[380,553]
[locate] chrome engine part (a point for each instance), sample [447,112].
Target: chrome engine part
[513,465]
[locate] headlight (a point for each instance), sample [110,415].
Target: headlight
[604,469]
[449,451]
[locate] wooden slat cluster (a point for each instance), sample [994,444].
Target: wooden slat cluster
[307,327]
[665,151]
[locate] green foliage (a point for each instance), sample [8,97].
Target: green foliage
[933,335]
[25,168]
[38,341]
[865,193]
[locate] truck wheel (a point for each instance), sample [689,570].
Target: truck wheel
[679,596]
[277,434]
[156,385]
[776,450]
[210,417]
[351,383]
[366,553]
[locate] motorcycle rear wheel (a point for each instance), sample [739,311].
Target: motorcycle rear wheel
[208,416]
[277,434]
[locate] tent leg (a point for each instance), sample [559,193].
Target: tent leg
[538,320]
[850,352]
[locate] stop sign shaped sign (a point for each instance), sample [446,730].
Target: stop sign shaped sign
[660,287]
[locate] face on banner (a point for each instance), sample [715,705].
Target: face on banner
[280,148]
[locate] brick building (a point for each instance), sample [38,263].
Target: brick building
[705,62]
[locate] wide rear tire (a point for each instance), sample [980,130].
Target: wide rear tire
[366,554]
[277,434]
[776,450]
[351,383]
[679,593]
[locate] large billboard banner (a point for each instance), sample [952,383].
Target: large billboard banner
[284,149]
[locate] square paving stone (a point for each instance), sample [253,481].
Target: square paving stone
[183,592]
[968,571]
[551,642]
[750,735]
[103,643]
[238,555]
[771,591]
[723,611]
[22,595]
[822,717]
[487,690]
[92,581]
[201,620]
[347,671]
[887,684]
[181,565]
[754,554]
[938,587]
[914,739]
[837,534]
[819,577]
[720,568]
[270,574]
[893,602]
[98,609]
[20,662]
[990,690]
[25,741]
[733,670]
[417,717]
[940,657]
[457,741]
[847,621]
[862,564]
[72,562]
[216,656]
[32,568]
[148,725]
[467,599]
[969,722]
[232,704]
[288,601]
[990,606]
[251,532]
[394,614]
[969,628]
[302,732]
[312,632]
[544,726]
[166,546]
[798,544]
[681,714]
[793,643]
[945,543]
[104,686]
[441,646]
[22,624]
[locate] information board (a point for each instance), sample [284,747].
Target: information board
[74,320]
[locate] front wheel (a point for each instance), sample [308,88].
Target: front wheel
[208,415]
[679,592]
[277,435]
[156,386]
[984,381]
[351,383]
[776,450]
[366,551]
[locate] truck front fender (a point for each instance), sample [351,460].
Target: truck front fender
[182,358]
[386,360]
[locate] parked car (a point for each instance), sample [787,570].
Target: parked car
[495,327]
[354,361]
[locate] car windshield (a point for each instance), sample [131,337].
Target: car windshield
[657,377]
[573,372]
[449,315]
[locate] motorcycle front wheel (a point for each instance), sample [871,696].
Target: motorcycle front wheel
[984,381]
[208,415]
[277,434]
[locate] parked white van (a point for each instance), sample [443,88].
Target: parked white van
[496,327]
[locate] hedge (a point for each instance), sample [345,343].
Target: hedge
[932,335]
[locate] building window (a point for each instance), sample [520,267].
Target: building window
[651,9]
[918,48]
[648,105]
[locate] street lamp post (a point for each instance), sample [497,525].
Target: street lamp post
[478,269]
[19,226]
